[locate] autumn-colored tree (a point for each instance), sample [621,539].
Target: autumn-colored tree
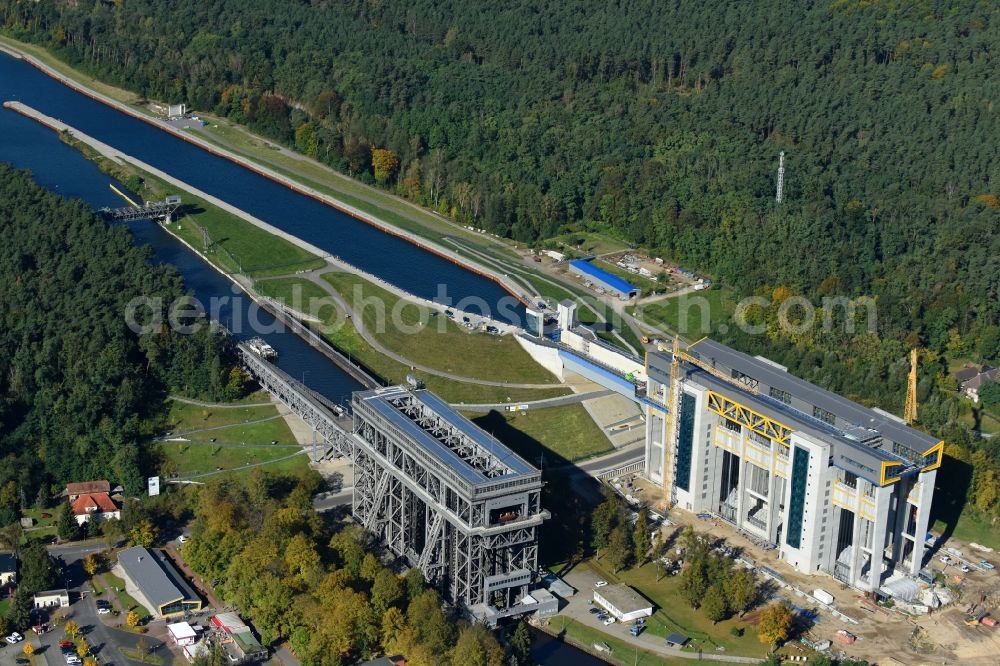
[91,564]
[82,648]
[132,619]
[143,534]
[476,646]
[385,163]
[28,649]
[71,628]
[90,661]
[775,624]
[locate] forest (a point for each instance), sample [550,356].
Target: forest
[79,390]
[659,123]
[319,584]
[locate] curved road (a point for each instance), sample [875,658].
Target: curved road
[314,277]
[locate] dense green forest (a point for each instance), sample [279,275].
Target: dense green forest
[657,122]
[78,388]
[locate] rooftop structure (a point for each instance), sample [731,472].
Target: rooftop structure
[446,495]
[602,278]
[182,633]
[237,638]
[155,583]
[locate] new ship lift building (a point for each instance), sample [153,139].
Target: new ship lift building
[448,497]
[608,281]
[836,487]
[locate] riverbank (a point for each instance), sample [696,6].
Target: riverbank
[15,48]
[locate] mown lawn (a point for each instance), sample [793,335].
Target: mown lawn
[973,529]
[674,613]
[566,431]
[694,315]
[437,341]
[190,459]
[125,600]
[622,652]
[184,417]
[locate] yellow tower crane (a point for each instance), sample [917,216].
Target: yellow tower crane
[910,411]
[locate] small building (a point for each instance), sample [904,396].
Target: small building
[604,280]
[95,506]
[8,568]
[558,586]
[195,650]
[971,379]
[74,490]
[182,634]
[52,599]
[676,640]
[547,603]
[624,603]
[555,255]
[154,582]
[237,640]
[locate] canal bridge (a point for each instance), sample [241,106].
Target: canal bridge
[437,490]
[161,211]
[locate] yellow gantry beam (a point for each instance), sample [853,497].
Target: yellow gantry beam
[747,417]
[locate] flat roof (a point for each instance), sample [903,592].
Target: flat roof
[513,464]
[181,630]
[608,279]
[159,581]
[623,598]
[677,639]
[850,412]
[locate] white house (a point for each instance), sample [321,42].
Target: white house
[52,599]
[624,603]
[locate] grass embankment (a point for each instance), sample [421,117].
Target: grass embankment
[243,437]
[125,600]
[235,245]
[973,529]
[347,339]
[693,315]
[566,431]
[589,242]
[622,652]
[674,614]
[438,342]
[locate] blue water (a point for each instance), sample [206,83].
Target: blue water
[388,257]
[26,144]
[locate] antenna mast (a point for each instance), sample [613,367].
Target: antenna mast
[781,177]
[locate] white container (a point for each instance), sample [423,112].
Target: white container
[824,596]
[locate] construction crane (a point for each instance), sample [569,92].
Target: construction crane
[669,443]
[910,411]
[673,411]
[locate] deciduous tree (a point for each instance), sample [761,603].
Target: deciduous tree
[775,625]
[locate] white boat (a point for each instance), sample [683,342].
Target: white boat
[260,347]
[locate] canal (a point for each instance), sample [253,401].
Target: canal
[62,169]
[57,167]
[388,257]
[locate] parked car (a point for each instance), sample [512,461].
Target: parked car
[600,583]
[637,629]
[945,559]
[986,565]
[594,610]
[964,568]
[103,610]
[68,644]
[610,620]
[14,638]
[183,538]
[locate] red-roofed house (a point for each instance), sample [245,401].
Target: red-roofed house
[74,490]
[92,499]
